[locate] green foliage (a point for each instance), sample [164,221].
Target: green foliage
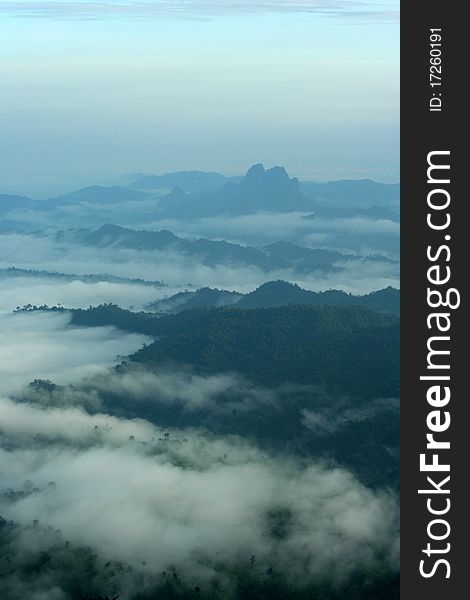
[277,293]
[282,293]
[349,352]
[352,348]
[49,561]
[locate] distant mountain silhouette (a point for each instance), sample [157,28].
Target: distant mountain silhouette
[261,190]
[278,293]
[266,190]
[305,259]
[274,256]
[177,197]
[188,181]
[272,190]
[194,194]
[9,272]
[9,203]
[115,235]
[206,250]
[97,194]
[353,193]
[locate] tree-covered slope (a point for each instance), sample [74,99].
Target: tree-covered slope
[351,348]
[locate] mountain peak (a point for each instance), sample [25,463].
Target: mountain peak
[110,228]
[261,190]
[256,171]
[277,173]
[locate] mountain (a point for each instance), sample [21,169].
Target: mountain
[261,190]
[387,300]
[115,235]
[278,293]
[199,194]
[353,193]
[281,293]
[9,203]
[351,348]
[305,260]
[274,256]
[272,190]
[187,300]
[315,381]
[9,272]
[195,194]
[188,181]
[211,252]
[98,195]
[176,197]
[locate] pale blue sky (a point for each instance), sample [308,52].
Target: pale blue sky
[92,90]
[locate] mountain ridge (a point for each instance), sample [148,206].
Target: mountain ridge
[267,258]
[278,293]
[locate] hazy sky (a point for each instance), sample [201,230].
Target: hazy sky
[94,90]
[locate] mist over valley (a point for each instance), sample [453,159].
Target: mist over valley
[200,389]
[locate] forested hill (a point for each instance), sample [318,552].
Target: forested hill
[350,347]
[278,293]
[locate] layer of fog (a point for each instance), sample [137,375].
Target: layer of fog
[173,388]
[358,233]
[188,499]
[218,394]
[18,291]
[88,215]
[44,345]
[367,235]
[330,419]
[176,270]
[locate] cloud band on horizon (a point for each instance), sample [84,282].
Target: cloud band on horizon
[144,9]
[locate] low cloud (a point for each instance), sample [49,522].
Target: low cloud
[263,228]
[44,345]
[184,389]
[18,291]
[190,500]
[150,499]
[181,272]
[329,420]
[149,9]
